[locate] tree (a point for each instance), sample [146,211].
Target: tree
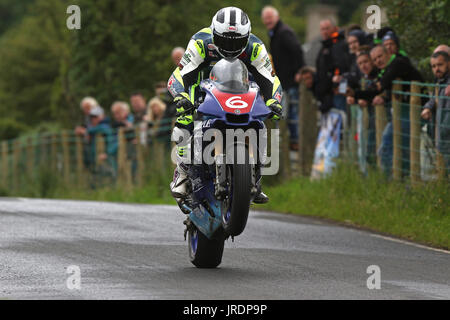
[125,45]
[421,26]
[11,12]
[30,61]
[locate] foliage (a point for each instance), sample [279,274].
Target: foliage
[125,46]
[11,12]
[30,59]
[421,25]
[11,128]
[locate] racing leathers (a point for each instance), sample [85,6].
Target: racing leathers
[199,58]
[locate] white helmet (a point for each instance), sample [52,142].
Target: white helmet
[231,30]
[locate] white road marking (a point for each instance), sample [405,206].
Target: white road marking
[410,243]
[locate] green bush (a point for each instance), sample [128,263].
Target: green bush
[11,128]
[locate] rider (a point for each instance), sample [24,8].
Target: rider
[228,37]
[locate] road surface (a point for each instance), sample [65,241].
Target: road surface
[132,251]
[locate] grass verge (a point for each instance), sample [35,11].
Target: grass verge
[420,214]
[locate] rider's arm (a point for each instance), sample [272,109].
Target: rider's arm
[261,69]
[186,74]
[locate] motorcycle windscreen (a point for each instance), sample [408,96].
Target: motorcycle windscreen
[230,76]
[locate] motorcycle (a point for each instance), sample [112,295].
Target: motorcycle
[221,190]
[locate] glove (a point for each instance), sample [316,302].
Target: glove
[184,104]
[276,109]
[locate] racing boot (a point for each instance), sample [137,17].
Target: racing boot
[260,196]
[178,186]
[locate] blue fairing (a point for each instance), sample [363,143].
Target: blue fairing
[203,186]
[201,217]
[211,107]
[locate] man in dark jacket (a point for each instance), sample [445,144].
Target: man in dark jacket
[355,39]
[332,61]
[287,55]
[439,106]
[392,67]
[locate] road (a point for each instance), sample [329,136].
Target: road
[132,251]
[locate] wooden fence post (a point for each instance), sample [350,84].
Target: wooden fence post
[307,130]
[285,150]
[15,166]
[414,116]
[30,157]
[364,139]
[66,157]
[352,130]
[380,124]
[5,164]
[397,128]
[140,156]
[53,139]
[79,159]
[440,167]
[158,150]
[124,166]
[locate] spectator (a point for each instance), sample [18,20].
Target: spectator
[287,55]
[122,118]
[155,114]
[355,39]
[392,67]
[332,61]
[155,110]
[138,106]
[378,38]
[86,105]
[440,64]
[177,54]
[121,115]
[442,47]
[164,94]
[392,44]
[446,48]
[160,121]
[307,76]
[99,125]
[368,80]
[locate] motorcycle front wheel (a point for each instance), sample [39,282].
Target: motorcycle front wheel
[235,218]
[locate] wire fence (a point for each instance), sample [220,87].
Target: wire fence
[391,137]
[123,157]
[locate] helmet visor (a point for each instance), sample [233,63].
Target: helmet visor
[230,43]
